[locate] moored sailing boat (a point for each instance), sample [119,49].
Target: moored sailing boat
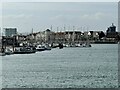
[24,50]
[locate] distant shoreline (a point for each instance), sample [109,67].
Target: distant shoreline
[99,42]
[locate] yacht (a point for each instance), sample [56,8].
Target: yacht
[2,54]
[8,51]
[24,50]
[43,47]
[40,48]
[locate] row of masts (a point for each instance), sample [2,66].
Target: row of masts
[73,30]
[69,28]
[61,29]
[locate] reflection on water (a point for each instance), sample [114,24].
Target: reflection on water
[94,67]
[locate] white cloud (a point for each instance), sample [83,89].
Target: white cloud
[59,17]
[95,16]
[19,16]
[100,15]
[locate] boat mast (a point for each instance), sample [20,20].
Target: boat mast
[88,34]
[73,39]
[32,30]
[51,28]
[64,33]
[57,34]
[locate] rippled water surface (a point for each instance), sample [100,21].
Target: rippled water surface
[94,67]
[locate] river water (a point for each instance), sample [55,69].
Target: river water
[95,67]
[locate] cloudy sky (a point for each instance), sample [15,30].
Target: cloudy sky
[39,16]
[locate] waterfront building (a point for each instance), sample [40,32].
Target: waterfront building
[40,37]
[60,37]
[111,32]
[95,35]
[21,38]
[69,36]
[49,36]
[112,28]
[9,41]
[31,38]
[10,31]
[73,36]
[77,36]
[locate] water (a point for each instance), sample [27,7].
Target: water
[95,67]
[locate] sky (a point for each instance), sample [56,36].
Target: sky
[59,0]
[41,15]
